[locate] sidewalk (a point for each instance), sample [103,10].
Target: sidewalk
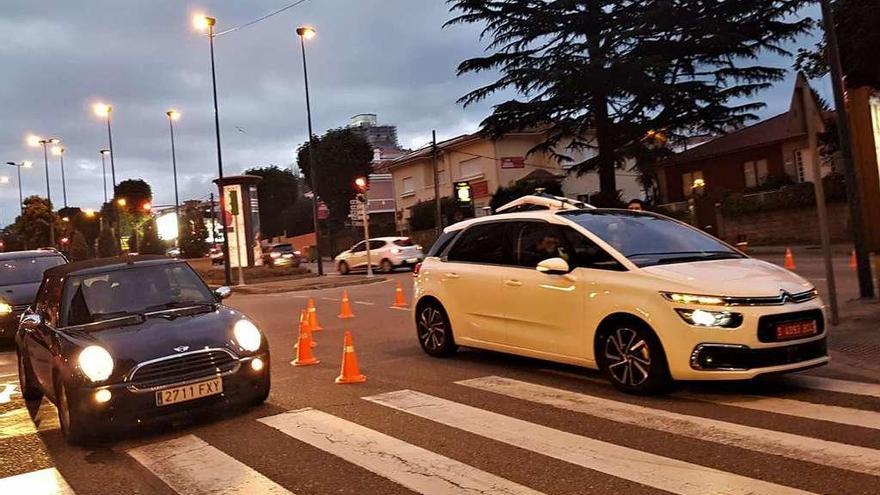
[836,249]
[306,283]
[854,345]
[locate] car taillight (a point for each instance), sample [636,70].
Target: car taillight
[416,269]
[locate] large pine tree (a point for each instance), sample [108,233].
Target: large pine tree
[600,75]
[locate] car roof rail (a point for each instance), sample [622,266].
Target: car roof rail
[540,200]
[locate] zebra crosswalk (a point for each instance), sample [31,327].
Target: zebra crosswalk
[192,463]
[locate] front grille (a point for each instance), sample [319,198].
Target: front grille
[721,357]
[182,368]
[767,324]
[782,298]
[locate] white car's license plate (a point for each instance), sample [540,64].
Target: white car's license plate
[189,392]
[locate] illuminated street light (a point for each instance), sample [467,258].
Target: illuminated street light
[202,23]
[147,207]
[89,213]
[104,111]
[121,201]
[4,179]
[304,33]
[172,116]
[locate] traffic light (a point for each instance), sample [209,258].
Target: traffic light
[362,184]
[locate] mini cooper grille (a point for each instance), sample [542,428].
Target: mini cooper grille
[182,368]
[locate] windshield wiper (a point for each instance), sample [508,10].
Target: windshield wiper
[720,255]
[158,308]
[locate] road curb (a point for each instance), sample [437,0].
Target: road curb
[256,289]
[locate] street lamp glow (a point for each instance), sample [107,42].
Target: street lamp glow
[173,114]
[57,150]
[27,164]
[307,32]
[102,109]
[361,182]
[147,206]
[203,22]
[33,140]
[121,201]
[104,152]
[4,179]
[88,212]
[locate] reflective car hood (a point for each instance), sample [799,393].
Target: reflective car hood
[158,337]
[735,277]
[19,293]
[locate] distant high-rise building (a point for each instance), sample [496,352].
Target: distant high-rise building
[382,137]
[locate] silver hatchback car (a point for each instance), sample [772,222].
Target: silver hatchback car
[386,254]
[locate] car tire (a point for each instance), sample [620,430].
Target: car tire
[26,381]
[632,359]
[385,266]
[72,427]
[264,392]
[434,331]
[343,268]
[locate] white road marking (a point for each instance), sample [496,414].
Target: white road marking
[18,422]
[823,452]
[652,470]
[415,468]
[398,308]
[190,466]
[365,303]
[7,375]
[6,394]
[789,407]
[835,385]
[43,482]
[330,299]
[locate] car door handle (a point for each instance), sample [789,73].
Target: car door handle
[513,283]
[451,275]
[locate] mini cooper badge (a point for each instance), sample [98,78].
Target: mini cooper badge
[181,348]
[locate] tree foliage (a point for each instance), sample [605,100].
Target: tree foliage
[79,250]
[32,226]
[422,213]
[598,76]
[149,242]
[856,24]
[136,193]
[340,155]
[193,233]
[278,193]
[107,246]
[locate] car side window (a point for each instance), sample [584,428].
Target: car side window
[49,300]
[377,244]
[585,253]
[361,246]
[482,243]
[538,241]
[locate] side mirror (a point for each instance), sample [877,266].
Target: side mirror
[31,322]
[553,266]
[222,292]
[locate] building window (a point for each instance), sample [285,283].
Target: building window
[799,166]
[755,173]
[408,185]
[687,182]
[470,168]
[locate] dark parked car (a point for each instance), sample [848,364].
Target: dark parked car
[281,255]
[20,275]
[129,340]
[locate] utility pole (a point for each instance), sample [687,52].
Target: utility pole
[213,221]
[438,226]
[863,263]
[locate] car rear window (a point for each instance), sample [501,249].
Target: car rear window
[404,242]
[27,270]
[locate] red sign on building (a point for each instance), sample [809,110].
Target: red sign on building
[480,189]
[513,162]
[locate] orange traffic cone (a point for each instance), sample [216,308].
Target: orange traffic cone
[345,308]
[304,355]
[399,300]
[789,259]
[304,325]
[852,261]
[314,326]
[350,372]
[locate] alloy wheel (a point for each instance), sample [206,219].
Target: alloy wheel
[432,328]
[628,357]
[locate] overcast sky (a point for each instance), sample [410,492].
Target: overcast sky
[390,57]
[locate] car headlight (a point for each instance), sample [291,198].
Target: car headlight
[248,335]
[274,255]
[693,299]
[703,318]
[5,309]
[96,363]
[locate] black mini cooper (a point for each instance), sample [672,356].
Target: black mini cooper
[118,342]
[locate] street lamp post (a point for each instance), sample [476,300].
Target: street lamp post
[105,110]
[203,22]
[59,152]
[103,154]
[18,165]
[172,116]
[308,32]
[36,141]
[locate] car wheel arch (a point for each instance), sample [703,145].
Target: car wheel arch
[611,321]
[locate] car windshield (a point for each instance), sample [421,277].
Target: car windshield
[136,290]
[647,239]
[26,270]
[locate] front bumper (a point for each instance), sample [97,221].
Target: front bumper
[127,408]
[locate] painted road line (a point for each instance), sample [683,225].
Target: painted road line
[413,467]
[789,407]
[42,482]
[334,299]
[835,385]
[652,470]
[823,452]
[6,391]
[18,422]
[398,308]
[365,303]
[192,467]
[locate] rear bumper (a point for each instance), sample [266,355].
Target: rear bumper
[128,408]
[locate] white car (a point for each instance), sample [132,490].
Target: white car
[386,254]
[644,298]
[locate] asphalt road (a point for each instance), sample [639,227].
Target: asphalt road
[425,425]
